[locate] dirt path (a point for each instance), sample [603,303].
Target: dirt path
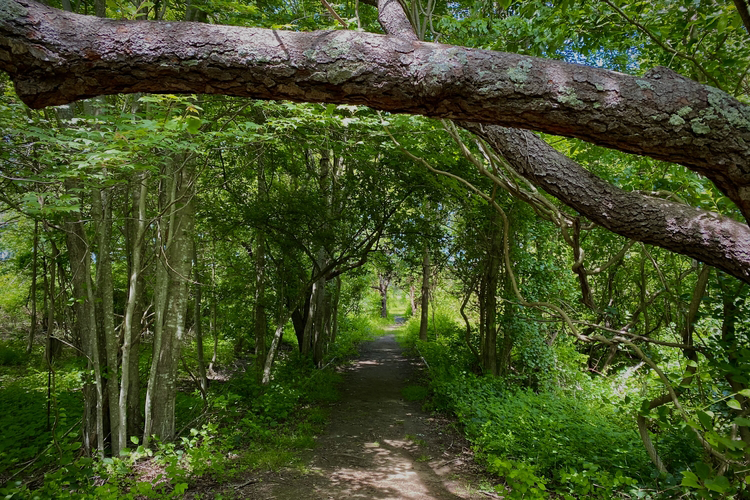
[378,445]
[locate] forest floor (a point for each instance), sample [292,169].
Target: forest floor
[379,445]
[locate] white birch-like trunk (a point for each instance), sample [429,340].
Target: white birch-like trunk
[129,320]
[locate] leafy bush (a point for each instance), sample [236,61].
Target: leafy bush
[11,355]
[562,440]
[352,332]
[415,392]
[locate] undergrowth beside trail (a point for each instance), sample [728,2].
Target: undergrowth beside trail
[565,439]
[241,430]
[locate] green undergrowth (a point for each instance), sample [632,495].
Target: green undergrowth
[549,442]
[243,428]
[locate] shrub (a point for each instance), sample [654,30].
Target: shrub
[11,355]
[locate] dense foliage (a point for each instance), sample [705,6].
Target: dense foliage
[179,274]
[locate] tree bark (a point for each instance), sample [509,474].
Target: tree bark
[212,319]
[705,236]
[383,283]
[174,268]
[491,269]
[80,269]
[425,299]
[306,345]
[198,321]
[102,211]
[336,300]
[51,345]
[131,327]
[34,265]
[259,311]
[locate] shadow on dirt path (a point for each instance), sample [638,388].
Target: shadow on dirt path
[378,445]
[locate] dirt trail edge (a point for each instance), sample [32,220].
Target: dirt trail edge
[378,445]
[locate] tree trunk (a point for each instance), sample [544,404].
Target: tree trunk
[493,260]
[319,312]
[425,293]
[259,312]
[335,311]
[212,320]
[198,321]
[299,320]
[34,259]
[51,344]
[306,345]
[173,270]
[277,336]
[129,396]
[80,269]
[102,211]
[508,308]
[383,283]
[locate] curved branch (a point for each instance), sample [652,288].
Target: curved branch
[741,6]
[705,236]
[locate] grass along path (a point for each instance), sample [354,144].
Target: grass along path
[378,445]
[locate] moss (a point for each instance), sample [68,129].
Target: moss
[684,111]
[646,85]
[338,75]
[737,114]
[520,73]
[599,87]
[10,9]
[699,127]
[676,120]
[568,96]
[337,48]
[444,62]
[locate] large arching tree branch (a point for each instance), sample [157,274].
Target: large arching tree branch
[56,57]
[706,236]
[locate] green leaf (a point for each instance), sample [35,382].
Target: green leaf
[705,419]
[134,439]
[645,408]
[719,484]
[691,480]
[702,470]
[193,124]
[733,403]
[744,392]
[742,421]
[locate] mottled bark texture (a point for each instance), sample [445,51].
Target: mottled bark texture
[706,236]
[56,57]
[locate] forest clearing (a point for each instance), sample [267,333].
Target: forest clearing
[374,249]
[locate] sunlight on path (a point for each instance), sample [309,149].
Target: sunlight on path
[377,446]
